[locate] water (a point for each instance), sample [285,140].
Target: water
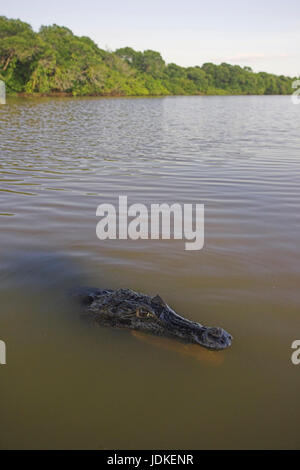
[67,385]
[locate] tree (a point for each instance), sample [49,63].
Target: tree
[151,62]
[56,60]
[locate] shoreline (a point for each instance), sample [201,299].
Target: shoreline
[115,95]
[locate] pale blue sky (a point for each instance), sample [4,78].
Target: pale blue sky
[264,34]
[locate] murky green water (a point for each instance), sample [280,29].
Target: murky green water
[67,385]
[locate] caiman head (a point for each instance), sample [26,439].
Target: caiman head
[125,308]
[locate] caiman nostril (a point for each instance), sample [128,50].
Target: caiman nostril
[217,332]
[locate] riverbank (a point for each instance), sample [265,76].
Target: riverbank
[54,60]
[60,94]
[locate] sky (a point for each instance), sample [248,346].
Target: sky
[262,34]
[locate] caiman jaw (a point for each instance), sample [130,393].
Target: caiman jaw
[210,338]
[213,338]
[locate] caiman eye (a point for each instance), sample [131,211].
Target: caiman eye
[151,315]
[141,313]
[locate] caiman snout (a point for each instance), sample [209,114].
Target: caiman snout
[214,338]
[187,330]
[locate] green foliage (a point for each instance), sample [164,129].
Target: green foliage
[18,47]
[54,60]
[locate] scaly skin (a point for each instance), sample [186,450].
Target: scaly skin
[124,308]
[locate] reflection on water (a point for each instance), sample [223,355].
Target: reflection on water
[69,385]
[191,350]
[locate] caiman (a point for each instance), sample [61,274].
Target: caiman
[124,308]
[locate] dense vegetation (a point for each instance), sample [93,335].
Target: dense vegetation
[54,60]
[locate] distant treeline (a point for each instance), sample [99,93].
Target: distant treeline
[54,60]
